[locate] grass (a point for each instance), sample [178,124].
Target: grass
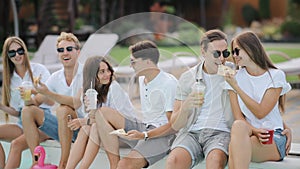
[121,53]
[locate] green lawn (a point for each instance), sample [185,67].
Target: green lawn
[121,54]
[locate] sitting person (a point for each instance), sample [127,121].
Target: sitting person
[147,134]
[110,94]
[256,96]
[16,69]
[63,88]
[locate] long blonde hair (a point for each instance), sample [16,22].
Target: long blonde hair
[9,68]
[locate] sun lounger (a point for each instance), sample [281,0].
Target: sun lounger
[290,66]
[98,45]
[47,54]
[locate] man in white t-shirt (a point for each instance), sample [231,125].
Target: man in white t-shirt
[149,136]
[61,87]
[207,134]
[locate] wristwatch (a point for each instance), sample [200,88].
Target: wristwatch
[145,135]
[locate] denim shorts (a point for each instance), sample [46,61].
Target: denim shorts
[280,141]
[50,125]
[19,122]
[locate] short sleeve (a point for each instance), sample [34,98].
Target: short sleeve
[279,81]
[170,95]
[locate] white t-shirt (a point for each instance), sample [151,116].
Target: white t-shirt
[57,83]
[16,81]
[157,98]
[211,113]
[255,87]
[119,100]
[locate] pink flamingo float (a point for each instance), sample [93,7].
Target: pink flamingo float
[40,153]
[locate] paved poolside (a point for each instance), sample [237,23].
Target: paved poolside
[291,117]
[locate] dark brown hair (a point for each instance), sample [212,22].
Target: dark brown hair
[251,44]
[90,74]
[146,50]
[210,36]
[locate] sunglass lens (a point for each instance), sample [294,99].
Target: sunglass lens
[69,48]
[21,51]
[60,50]
[236,51]
[216,54]
[226,53]
[11,53]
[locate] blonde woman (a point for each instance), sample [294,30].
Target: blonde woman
[16,69]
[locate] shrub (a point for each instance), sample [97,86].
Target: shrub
[250,14]
[291,28]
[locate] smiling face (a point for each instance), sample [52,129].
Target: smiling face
[241,57]
[17,59]
[104,74]
[211,61]
[68,58]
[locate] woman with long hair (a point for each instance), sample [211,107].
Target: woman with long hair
[256,95]
[16,69]
[99,75]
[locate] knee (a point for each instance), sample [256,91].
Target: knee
[216,158]
[172,160]
[62,112]
[27,112]
[239,127]
[18,145]
[100,117]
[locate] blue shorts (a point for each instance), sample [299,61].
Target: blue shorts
[280,141]
[19,122]
[50,126]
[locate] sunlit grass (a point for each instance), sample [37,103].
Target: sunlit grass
[120,53]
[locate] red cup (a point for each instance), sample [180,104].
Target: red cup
[270,141]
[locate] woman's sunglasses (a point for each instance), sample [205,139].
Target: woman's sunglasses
[236,51]
[217,53]
[69,49]
[12,53]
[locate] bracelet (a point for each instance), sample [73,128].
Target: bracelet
[145,136]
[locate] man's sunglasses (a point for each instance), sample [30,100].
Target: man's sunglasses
[217,53]
[236,51]
[12,53]
[69,49]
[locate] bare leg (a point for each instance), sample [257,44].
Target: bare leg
[246,147]
[92,148]
[8,132]
[179,158]
[78,148]
[241,144]
[18,145]
[107,120]
[64,133]
[32,117]
[2,157]
[230,159]
[216,159]
[134,160]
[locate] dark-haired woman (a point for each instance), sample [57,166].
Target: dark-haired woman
[256,96]
[98,72]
